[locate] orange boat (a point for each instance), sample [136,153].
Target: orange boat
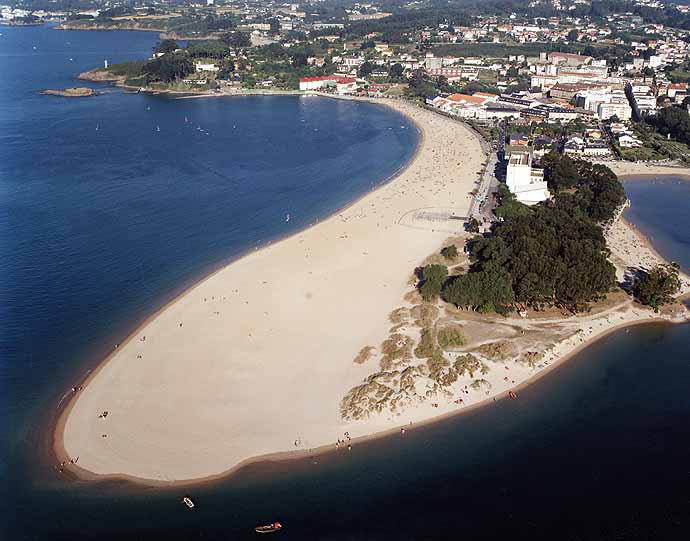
[512,395]
[269,528]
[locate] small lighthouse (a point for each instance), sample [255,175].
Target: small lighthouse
[105,63]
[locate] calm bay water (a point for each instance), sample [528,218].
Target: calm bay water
[99,227]
[661,209]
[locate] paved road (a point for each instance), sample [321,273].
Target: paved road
[483,204]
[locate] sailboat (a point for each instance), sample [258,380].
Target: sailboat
[287,217]
[97,127]
[158,128]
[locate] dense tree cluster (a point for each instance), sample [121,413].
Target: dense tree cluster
[236,39]
[116,11]
[550,254]
[433,278]
[396,27]
[421,85]
[508,207]
[165,46]
[546,256]
[168,68]
[207,49]
[488,290]
[668,16]
[673,121]
[658,286]
[597,191]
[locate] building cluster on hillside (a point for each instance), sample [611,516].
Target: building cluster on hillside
[584,81]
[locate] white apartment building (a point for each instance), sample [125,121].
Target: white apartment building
[607,110]
[524,181]
[202,66]
[605,103]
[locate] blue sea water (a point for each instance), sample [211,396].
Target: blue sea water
[99,227]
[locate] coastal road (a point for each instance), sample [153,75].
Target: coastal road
[483,203]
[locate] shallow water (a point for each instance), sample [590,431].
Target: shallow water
[661,210]
[97,228]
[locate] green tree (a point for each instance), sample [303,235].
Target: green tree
[236,39]
[396,71]
[365,69]
[486,291]
[449,252]
[168,68]
[572,35]
[421,86]
[598,193]
[658,286]
[165,46]
[299,60]
[433,277]
[553,254]
[472,225]
[673,121]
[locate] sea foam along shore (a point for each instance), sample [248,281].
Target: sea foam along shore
[271,389]
[255,359]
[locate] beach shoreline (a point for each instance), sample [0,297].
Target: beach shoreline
[67,402]
[82,474]
[64,408]
[59,443]
[630,171]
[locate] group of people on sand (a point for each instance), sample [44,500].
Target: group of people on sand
[61,466]
[346,440]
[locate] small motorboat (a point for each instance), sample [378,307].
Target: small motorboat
[512,395]
[188,502]
[269,528]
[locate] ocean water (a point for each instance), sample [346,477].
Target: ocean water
[99,227]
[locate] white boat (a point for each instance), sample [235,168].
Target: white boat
[188,502]
[158,128]
[287,217]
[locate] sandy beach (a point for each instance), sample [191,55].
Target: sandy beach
[623,168]
[284,352]
[256,358]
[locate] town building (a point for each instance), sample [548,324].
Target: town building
[204,66]
[524,181]
[341,84]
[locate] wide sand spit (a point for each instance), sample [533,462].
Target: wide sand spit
[254,362]
[256,358]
